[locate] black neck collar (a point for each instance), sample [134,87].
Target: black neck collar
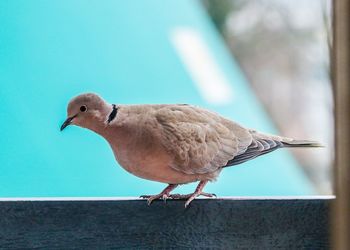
[113,114]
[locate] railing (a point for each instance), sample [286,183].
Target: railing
[223,223]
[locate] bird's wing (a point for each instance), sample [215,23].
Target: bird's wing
[261,144]
[200,141]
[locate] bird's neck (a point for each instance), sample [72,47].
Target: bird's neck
[99,123]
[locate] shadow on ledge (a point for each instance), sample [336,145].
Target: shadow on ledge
[206,223]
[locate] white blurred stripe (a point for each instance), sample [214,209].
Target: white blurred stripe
[201,65]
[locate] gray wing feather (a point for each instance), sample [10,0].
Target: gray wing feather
[263,143]
[259,146]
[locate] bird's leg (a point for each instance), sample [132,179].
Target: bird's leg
[192,196]
[197,192]
[164,194]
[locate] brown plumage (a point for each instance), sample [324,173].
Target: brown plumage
[174,144]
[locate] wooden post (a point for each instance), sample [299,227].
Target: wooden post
[341,71]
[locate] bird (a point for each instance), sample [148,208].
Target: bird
[173,144]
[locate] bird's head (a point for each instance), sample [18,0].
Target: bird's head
[87,111]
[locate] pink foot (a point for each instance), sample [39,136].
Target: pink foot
[151,198]
[165,194]
[186,196]
[197,193]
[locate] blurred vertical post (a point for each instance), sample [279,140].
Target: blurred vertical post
[341,71]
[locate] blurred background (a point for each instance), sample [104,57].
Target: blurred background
[283,47]
[264,64]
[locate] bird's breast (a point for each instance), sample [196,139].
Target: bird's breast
[151,162]
[138,149]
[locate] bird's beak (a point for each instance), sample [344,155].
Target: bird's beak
[67,122]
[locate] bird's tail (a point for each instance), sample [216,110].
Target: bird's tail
[302,144]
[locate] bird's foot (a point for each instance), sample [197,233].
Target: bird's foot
[151,198]
[190,197]
[196,193]
[186,196]
[165,194]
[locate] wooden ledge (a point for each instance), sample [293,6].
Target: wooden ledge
[224,223]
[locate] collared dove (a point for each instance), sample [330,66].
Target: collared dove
[174,144]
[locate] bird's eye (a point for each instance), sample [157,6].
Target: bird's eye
[83,108]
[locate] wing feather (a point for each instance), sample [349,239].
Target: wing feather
[200,141]
[260,145]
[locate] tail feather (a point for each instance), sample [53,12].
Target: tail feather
[266,144]
[302,143]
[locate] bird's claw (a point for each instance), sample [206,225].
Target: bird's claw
[151,198]
[210,195]
[165,194]
[164,197]
[191,197]
[149,201]
[144,196]
[186,196]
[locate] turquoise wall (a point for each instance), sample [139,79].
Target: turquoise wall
[53,50]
